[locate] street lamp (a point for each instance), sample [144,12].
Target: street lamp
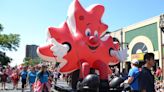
[161,25]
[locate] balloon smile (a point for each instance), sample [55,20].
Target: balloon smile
[93,47]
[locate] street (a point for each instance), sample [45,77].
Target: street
[9,87]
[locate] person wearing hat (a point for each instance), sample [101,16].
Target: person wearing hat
[41,81]
[133,76]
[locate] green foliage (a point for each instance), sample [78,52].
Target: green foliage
[1,27]
[4,60]
[57,64]
[31,62]
[9,42]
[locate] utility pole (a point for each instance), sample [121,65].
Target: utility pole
[161,25]
[121,69]
[123,46]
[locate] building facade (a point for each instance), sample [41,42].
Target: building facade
[31,51]
[142,37]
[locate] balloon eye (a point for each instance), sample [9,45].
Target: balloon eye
[81,17]
[88,32]
[96,33]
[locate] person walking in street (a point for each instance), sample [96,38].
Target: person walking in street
[146,79]
[15,78]
[133,76]
[23,76]
[31,78]
[9,73]
[41,82]
[4,78]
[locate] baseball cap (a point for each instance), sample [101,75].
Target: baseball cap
[135,61]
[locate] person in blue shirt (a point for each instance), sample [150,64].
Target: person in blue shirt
[133,76]
[43,76]
[31,78]
[23,76]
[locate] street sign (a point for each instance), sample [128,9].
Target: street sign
[138,56]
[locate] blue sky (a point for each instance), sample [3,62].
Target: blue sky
[31,18]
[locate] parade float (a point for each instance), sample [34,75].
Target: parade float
[83,43]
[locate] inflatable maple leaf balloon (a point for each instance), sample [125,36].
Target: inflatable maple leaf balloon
[81,42]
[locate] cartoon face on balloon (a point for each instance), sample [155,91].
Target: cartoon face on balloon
[81,37]
[87,23]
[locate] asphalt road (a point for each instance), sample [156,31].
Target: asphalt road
[9,87]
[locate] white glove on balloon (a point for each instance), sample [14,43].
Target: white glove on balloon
[121,55]
[59,50]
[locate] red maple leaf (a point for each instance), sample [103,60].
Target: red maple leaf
[83,32]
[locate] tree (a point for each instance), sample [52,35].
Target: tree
[9,42]
[1,27]
[4,59]
[28,61]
